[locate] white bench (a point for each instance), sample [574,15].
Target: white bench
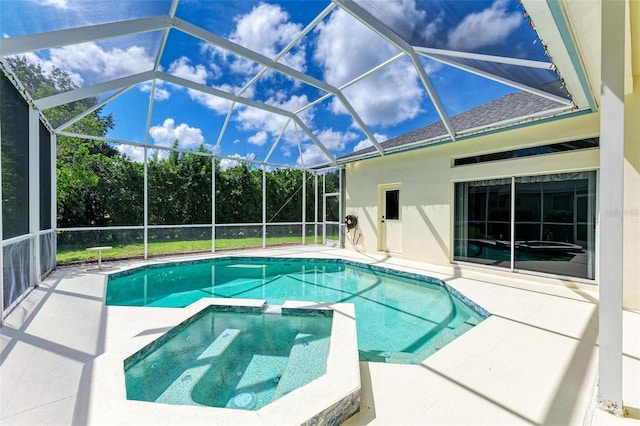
[99,250]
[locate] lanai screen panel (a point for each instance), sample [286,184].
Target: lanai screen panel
[323,68]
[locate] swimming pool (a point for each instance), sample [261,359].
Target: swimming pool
[400,317]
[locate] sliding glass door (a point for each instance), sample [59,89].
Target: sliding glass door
[552,218]
[482,231]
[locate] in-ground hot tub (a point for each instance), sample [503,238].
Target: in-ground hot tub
[241,359]
[297,395]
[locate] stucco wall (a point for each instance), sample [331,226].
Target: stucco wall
[427,178]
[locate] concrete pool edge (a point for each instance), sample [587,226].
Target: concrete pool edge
[333,397]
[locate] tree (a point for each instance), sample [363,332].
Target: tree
[78,160]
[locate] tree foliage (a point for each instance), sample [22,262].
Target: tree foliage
[97,185]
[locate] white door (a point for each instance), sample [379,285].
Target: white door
[390,237]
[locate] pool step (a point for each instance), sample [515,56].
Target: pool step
[307,361]
[179,392]
[218,346]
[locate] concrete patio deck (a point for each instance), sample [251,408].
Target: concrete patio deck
[533,362]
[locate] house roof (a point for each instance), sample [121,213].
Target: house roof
[512,109]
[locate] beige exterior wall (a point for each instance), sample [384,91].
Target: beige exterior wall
[427,179]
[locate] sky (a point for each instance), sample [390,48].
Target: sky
[339,49]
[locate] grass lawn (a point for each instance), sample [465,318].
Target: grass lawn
[172,247]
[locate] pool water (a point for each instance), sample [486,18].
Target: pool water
[231,359]
[400,318]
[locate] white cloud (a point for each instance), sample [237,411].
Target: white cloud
[389,96]
[408,20]
[182,68]
[333,140]
[92,62]
[136,153]
[225,163]
[259,138]
[491,26]
[187,137]
[259,120]
[312,155]
[367,143]
[161,93]
[58,4]
[215,103]
[267,30]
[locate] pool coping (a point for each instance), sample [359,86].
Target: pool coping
[331,398]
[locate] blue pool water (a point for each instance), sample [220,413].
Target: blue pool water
[231,359]
[401,318]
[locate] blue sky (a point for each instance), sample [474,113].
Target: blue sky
[390,101]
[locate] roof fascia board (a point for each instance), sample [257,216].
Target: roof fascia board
[488,58]
[52,39]
[565,33]
[440,140]
[86,92]
[553,31]
[499,79]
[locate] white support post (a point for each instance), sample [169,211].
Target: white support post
[611,207]
[340,211]
[324,205]
[315,210]
[34,192]
[145,231]
[304,206]
[213,204]
[264,205]
[54,183]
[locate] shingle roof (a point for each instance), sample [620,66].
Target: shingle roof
[512,106]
